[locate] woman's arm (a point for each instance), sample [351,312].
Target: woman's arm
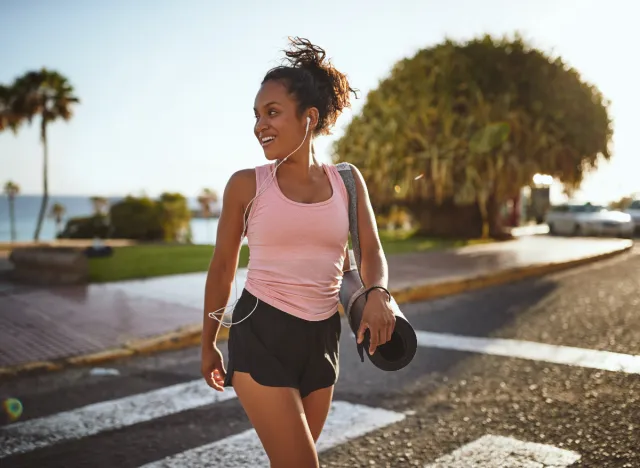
[224,263]
[378,315]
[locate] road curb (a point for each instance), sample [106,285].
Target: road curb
[190,335]
[512,275]
[177,339]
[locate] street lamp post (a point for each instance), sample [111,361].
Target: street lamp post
[540,196]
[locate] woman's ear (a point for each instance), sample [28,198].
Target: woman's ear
[314,115]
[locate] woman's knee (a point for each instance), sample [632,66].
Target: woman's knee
[277,414]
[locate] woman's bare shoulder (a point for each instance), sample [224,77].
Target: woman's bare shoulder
[241,182]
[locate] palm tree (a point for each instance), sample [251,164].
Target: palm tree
[100,205]
[48,94]
[101,210]
[11,189]
[57,213]
[206,198]
[9,119]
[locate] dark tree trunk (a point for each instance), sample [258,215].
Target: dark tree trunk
[495,218]
[45,179]
[448,220]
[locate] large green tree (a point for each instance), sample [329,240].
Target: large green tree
[49,95]
[459,128]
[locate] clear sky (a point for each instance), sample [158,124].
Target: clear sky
[167,86]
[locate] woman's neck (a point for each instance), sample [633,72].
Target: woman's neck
[301,163]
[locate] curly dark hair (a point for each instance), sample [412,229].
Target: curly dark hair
[314,82]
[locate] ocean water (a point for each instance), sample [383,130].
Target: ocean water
[28,206]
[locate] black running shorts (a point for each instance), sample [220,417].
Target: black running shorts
[281,350]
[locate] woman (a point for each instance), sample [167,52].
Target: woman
[283,345]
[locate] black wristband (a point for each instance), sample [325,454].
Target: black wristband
[369,289]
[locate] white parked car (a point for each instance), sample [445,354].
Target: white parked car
[634,211]
[588,220]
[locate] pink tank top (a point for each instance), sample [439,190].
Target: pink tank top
[297,249]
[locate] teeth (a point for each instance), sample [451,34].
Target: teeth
[266,139]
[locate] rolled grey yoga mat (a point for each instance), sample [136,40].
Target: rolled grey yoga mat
[394,354]
[400,350]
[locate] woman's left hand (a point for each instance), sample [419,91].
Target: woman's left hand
[379,318]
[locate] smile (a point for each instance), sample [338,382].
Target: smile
[266,140]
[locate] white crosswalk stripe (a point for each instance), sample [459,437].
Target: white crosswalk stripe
[567,355]
[346,421]
[493,451]
[107,415]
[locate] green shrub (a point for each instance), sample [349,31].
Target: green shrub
[174,216]
[144,219]
[86,227]
[136,218]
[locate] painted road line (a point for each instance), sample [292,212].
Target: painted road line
[492,451]
[346,421]
[567,355]
[107,415]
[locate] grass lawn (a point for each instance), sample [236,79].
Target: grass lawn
[148,260]
[406,242]
[144,261]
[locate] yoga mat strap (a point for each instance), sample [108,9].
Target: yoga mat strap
[398,352]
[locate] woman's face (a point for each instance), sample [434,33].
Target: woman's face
[278,129]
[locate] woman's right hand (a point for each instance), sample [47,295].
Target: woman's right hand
[212,368]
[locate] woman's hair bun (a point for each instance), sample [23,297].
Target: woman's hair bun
[314,81]
[304,54]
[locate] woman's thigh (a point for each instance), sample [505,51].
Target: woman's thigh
[316,409]
[277,414]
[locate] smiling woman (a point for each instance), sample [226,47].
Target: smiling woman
[283,345]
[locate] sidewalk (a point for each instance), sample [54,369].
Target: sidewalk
[49,327]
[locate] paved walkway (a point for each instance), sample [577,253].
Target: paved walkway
[38,324]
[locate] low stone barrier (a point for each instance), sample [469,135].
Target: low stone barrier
[50,265]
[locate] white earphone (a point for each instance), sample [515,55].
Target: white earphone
[259,191]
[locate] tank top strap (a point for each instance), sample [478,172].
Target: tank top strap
[338,183]
[263,173]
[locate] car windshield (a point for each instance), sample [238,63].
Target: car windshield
[586,208]
[635,205]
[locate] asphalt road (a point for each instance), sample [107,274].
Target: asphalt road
[449,408]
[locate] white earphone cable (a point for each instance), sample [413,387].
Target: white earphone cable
[259,191]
